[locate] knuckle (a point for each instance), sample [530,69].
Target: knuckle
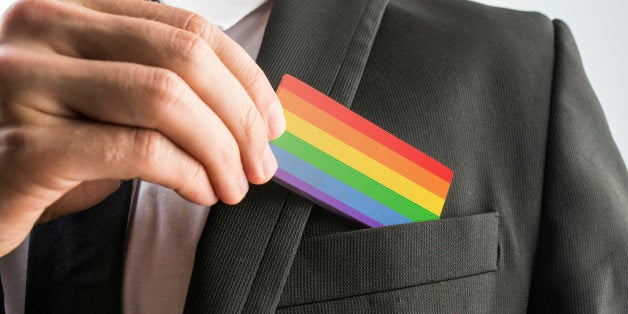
[7,60]
[13,142]
[199,26]
[228,153]
[194,172]
[165,90]
[28,13]
[16,64]
[255,82]
[252,125]
[214,36]
[190,47]
[9,63]
[148,146]
[14,18]
[22,149]
[163,81]
[113,151]
[21,12]
[253,78]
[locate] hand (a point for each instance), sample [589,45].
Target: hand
[97,91]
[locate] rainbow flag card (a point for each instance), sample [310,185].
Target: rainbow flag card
[342,162]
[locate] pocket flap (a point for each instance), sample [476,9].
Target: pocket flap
[380,259]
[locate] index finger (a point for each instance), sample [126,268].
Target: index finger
[239,63]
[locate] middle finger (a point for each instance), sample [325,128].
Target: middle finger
[95,35]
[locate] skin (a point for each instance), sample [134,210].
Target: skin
[93,92]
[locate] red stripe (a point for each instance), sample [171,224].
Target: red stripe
[351,118]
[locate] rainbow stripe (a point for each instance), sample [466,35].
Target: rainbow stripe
[345,163]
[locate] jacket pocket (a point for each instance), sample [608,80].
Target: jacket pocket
[381,259]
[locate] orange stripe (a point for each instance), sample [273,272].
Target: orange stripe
[365,126]
[363,143]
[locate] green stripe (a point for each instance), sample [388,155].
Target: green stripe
[352,177]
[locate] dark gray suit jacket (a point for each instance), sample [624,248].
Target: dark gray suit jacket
[536,218]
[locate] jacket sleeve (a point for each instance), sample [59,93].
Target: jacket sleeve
[582,254]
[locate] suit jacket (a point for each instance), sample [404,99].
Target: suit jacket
[536,218]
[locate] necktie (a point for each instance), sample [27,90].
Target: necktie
[234,250]
[75,262]
[245,252]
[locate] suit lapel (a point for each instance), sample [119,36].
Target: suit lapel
[245,252]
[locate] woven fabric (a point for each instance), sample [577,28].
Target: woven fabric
[258,238]
[537,214]
[75,262]
[500,97]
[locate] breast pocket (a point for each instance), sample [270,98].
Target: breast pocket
[369,261]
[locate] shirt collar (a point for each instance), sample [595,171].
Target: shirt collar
[222,13]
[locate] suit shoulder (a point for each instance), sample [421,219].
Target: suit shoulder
[474,22]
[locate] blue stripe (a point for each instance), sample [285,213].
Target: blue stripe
[336,189]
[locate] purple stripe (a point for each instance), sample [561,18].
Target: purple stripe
[317,196]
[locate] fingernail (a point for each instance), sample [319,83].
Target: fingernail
[269,163]
[244,184]
[276,120]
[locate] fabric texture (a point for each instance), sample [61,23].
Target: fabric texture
[582,259]
[164,228]
[500,97]
[258,238]
[75,262]
[13,273]
[536,217]
[466,243]
[160,251]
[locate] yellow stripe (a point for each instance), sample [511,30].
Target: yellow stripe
[363,163]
